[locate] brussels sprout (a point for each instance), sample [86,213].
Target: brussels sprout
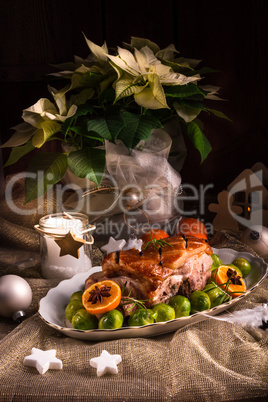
[111,320]
[216,262]
[209,286]
[141,317]
[84,321]
[243,265]
[217,296]
[181,305]
[164,312]
[72,308]
[200,301]
[77,295]
[216,259]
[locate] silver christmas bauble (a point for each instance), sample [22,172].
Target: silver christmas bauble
[257,238]
[131,197]
[15,296]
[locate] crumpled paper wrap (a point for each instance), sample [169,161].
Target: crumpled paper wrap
[206,361]
[146,171]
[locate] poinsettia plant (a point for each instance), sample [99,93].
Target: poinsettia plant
[120,96]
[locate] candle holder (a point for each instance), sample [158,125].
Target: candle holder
[65,244]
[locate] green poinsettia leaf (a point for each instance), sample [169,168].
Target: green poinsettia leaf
[84,79]
[141,42]
[82,97]
[136,128]
[82,110]
[192,103]
[185,91]
[200,71]
[88,163]
[177,67]
[187,113]
[96,128]
[114,123]
[66,126]
[186,62]
[99,125]
[85,109]
[24,132]
[107,97]
[19,152]
[198,139]
[83,131]
[219,114]
[44,171]
[67,66]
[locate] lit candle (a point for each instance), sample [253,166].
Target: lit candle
[68,229]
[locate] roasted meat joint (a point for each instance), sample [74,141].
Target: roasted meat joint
[161,270]
[156,278]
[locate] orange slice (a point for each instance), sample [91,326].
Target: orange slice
[101,297]
[227,278]
[192,227]
[154,234]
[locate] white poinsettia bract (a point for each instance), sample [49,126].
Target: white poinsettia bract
[143,75]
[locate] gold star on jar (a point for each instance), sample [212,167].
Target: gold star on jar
[70,244]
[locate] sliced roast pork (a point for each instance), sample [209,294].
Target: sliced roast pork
[158,273]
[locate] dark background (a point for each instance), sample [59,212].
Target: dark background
[230,38]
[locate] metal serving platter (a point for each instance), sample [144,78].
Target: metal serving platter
[52,306]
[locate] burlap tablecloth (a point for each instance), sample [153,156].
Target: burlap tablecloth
[207,361]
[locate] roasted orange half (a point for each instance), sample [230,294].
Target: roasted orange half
[101,297]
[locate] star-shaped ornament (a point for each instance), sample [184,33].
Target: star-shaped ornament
[105,363]
[70,244]
[43,360]
[113,245]
[133,243]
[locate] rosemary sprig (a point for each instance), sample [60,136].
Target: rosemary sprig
[155,242]
[134,303]
[125,300]
[237,292]
[226,284]
[229,282]
[225,297]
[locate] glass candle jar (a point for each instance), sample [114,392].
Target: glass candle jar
[55,227]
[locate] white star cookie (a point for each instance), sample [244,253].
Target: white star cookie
[43,360]
[105,363]
[113,245]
